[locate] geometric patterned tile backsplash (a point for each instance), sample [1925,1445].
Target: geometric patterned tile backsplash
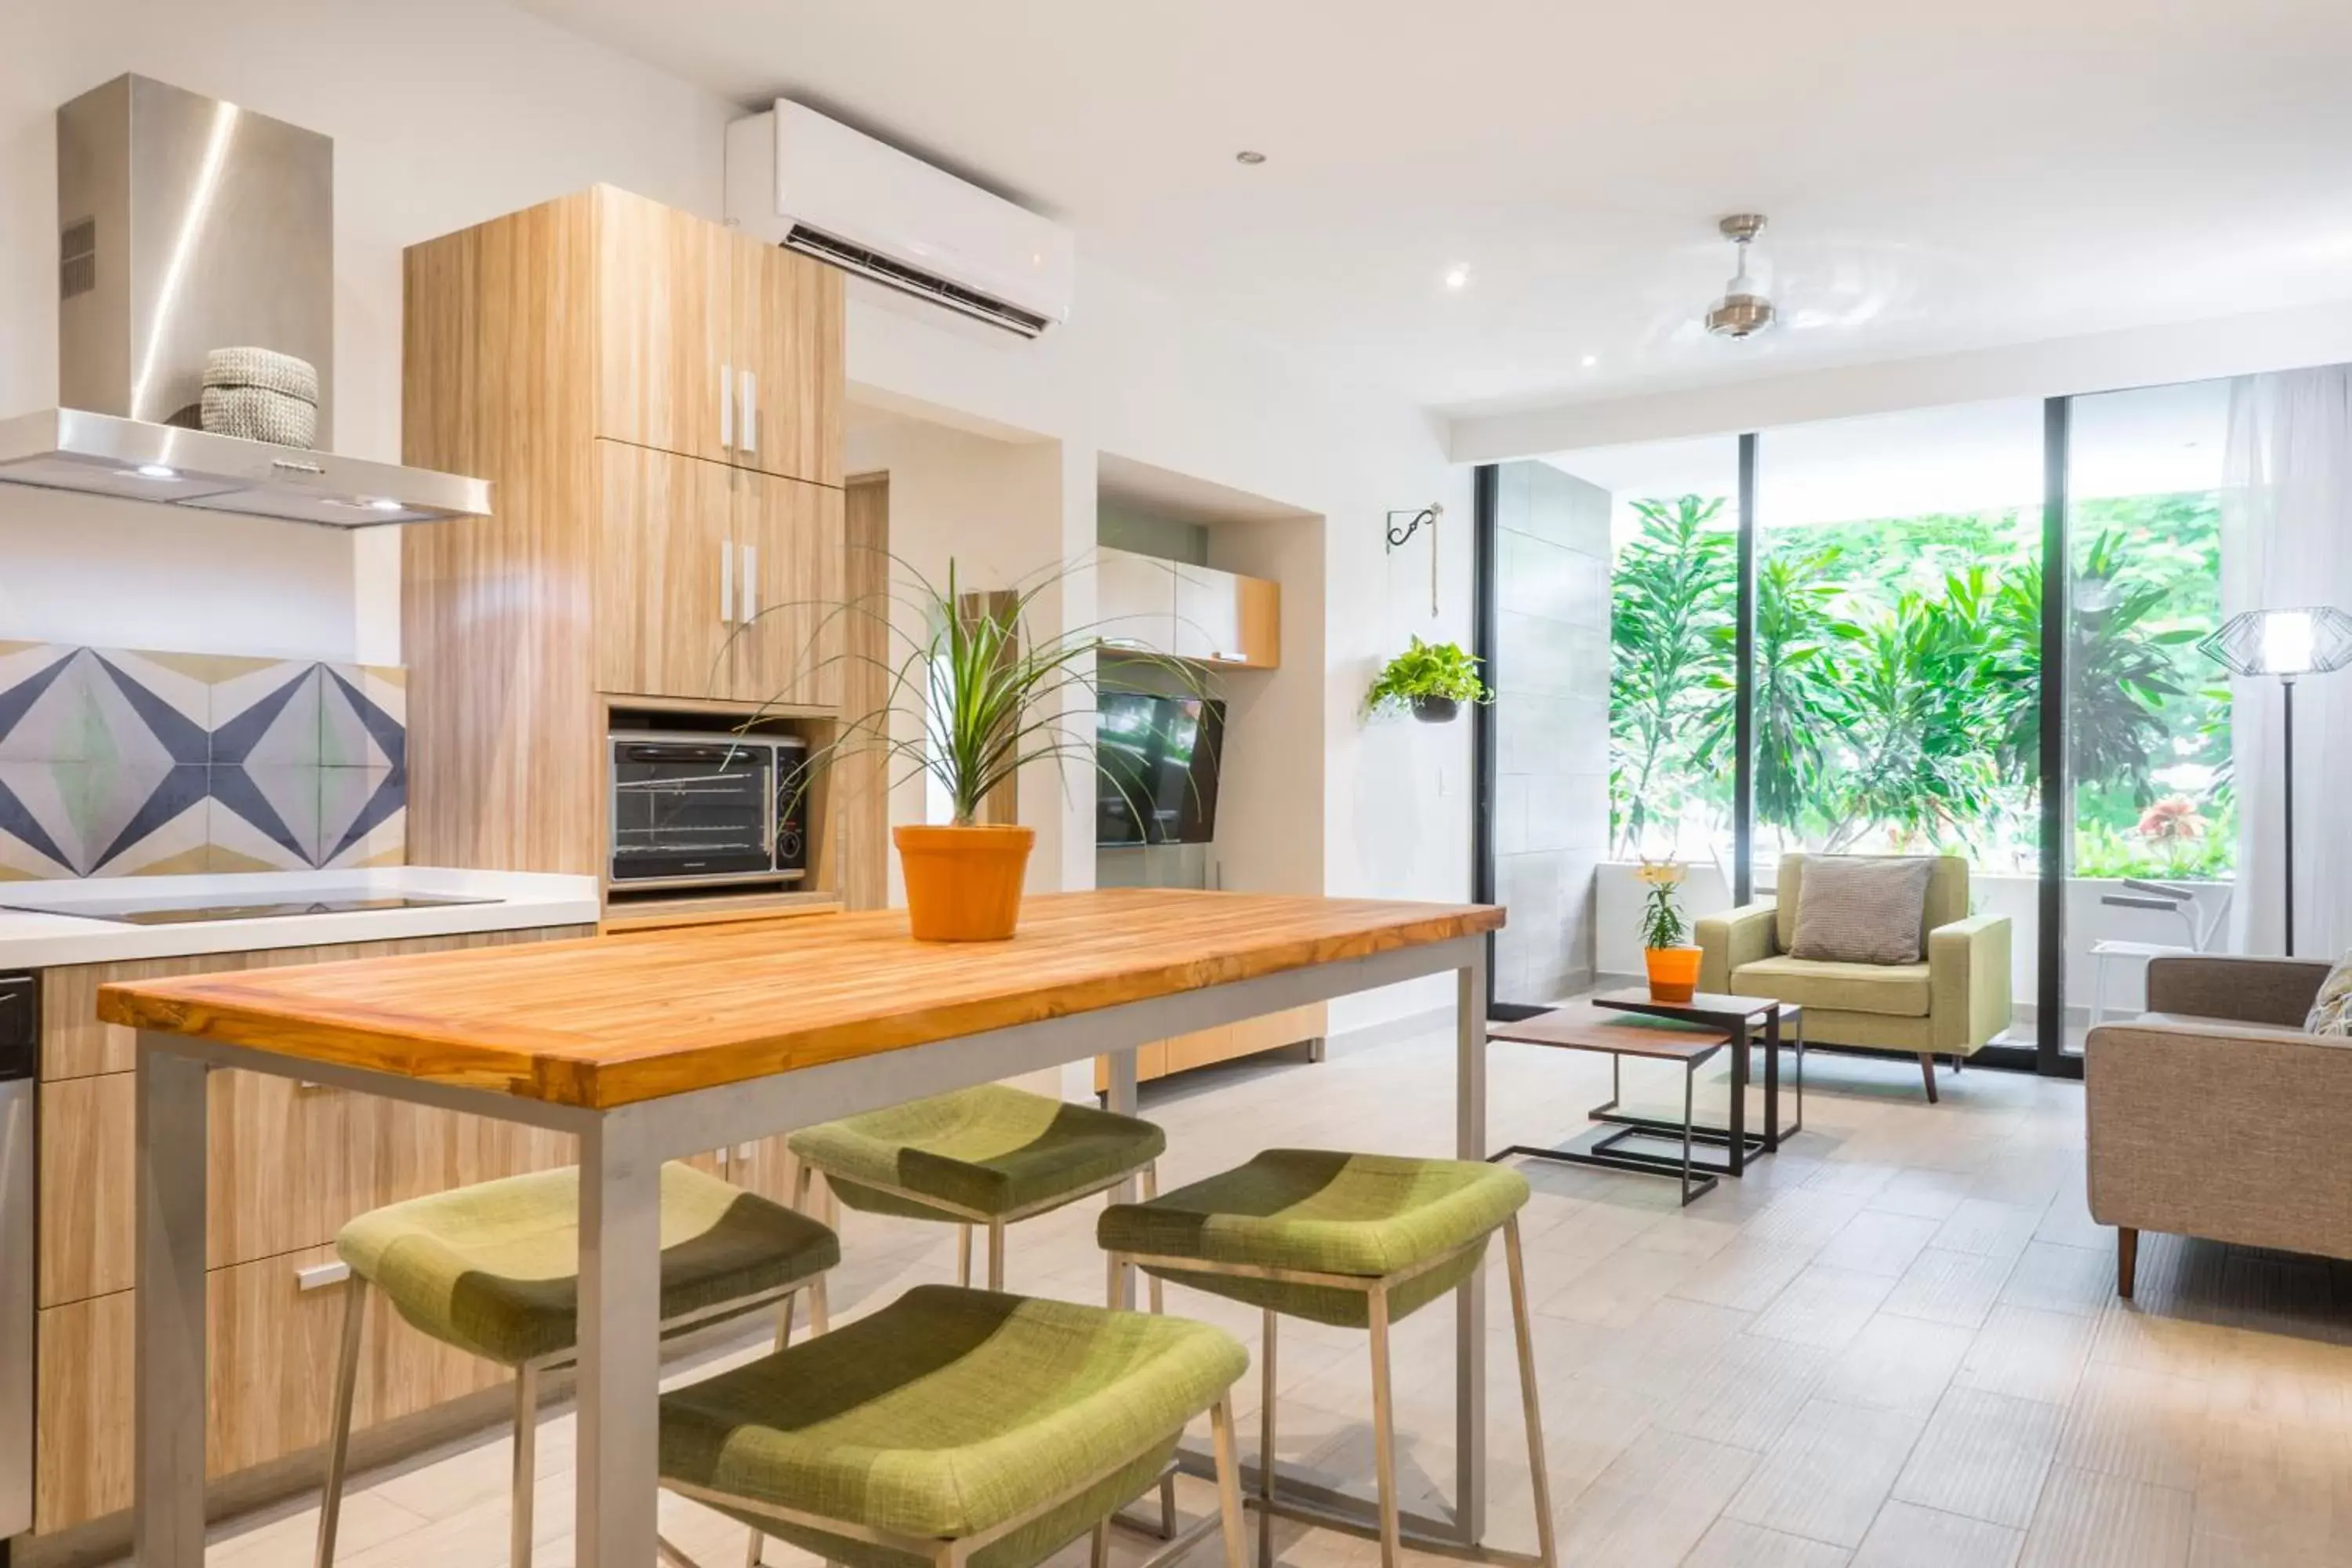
[116,763]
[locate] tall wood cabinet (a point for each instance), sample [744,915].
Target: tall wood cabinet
[657,401]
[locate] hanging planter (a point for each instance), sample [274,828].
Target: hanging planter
[1429,680]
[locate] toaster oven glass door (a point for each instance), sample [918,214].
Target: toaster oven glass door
[690,812]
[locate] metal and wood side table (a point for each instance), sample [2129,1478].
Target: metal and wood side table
[1629,1022]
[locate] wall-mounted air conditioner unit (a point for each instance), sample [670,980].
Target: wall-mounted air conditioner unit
[814,185]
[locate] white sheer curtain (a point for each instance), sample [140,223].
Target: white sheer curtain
[2287,542]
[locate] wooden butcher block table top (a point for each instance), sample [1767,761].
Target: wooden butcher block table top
[607,1021]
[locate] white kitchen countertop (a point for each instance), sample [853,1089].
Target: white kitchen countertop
[49,935]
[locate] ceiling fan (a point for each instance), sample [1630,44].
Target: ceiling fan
[1744,311]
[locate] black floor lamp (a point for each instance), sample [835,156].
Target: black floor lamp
[2287,644]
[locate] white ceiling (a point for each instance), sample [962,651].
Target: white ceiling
[1938,178]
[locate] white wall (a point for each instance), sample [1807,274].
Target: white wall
[1275,773]
[444,113]
[1134,374]
[994,509]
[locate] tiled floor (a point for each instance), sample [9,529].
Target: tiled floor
[1894,1343]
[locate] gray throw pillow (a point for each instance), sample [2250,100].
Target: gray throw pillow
[1861,908]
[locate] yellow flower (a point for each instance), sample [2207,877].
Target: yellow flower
[1660,873]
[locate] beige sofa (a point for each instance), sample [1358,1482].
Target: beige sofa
[2216,1115]
[1949,1003]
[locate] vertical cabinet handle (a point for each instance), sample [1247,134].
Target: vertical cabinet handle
[751,584]
[726,406]
[750,412]
[726,583]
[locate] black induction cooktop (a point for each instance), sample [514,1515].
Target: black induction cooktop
[180,911]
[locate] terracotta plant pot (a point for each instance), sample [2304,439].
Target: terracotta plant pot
[1674,973]
[963,884]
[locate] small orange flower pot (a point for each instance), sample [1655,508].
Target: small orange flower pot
[963,884]
[1674,973]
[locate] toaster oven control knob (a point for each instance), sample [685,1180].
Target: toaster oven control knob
[788,845]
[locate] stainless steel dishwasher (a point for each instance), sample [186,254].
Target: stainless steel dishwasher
[19,1057]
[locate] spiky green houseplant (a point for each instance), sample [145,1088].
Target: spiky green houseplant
[969,700]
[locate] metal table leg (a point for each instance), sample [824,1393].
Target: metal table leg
[168,1363]
[1470,1299]
[620,1344]
[1736,1147]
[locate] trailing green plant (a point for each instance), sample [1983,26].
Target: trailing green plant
[1426,669]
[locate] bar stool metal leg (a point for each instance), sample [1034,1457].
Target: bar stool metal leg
[526,1465]
[996,1255]
[339,1441]
[1524,1333]
[964,1255]
[1384,1429]
[1229,1482]
[1265,1445]
[1151,1283]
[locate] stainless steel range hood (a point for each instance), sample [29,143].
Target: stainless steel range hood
[186,225]
[68,449]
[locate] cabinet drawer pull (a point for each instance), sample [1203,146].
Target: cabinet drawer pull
[318,1276]
[750,412]
[751,584]
[727,405]
[726,583]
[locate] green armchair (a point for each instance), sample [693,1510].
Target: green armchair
[1949,1003]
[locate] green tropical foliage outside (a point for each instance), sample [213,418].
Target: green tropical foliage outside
[1898,669]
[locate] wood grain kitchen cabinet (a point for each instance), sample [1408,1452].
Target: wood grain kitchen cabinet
[663,327]
[665,578]
[710,344]
[658,403]
[74,1042]
[790,544]
[788,338]
[271,1349]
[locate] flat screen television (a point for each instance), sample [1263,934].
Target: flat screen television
[1156,768]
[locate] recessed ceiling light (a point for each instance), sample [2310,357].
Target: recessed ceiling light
[1588,360]
[1246,157]
[382,503]
[156,471]
[1457,278]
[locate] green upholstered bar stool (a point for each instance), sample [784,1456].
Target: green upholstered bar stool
[494,1268]
[957,1427]
[979,1157]
[1353,1241]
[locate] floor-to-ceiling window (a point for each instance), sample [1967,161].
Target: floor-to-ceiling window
[2151,863]
[1897,627]
[1889,600]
